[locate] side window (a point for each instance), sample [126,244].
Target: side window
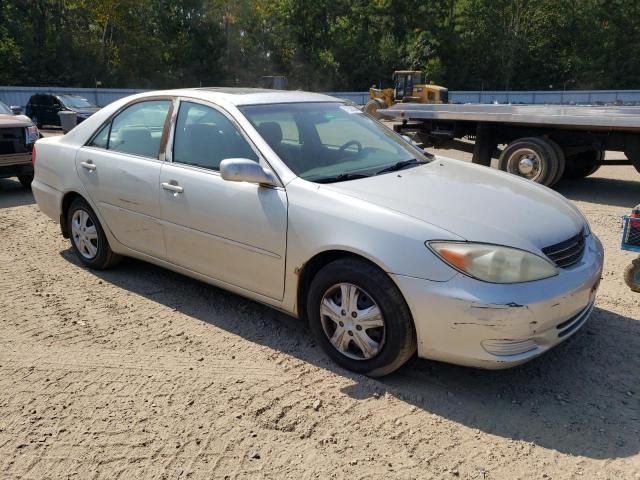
[137,130]
[101,140]
[204,137]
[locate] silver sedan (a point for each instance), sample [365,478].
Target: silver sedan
[304,203]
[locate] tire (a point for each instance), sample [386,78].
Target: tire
[561,159]
[373,106]
[103,257]
[632,275]
[392,344]
[26,180]
[544,161]
[583,164]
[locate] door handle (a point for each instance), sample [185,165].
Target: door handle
[172,188]
[88,165]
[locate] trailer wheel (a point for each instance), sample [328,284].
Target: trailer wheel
[532,158]
[583,164]
[561,161]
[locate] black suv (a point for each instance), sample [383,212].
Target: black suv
[43,108]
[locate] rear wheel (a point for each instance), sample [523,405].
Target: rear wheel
[26,180]
[87,237]
[583,164]
[561,159]
[532,158]
[359,318]
[632,275]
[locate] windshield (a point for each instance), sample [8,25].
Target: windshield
[4,110]
[75,102]
[323,141]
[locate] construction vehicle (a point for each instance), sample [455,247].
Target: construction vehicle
[408,87]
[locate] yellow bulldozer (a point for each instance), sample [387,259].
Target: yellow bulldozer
[408,86]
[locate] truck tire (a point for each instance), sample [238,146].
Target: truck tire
[562,160]
[533,158]
[373,106]
[583,164]
[26,180]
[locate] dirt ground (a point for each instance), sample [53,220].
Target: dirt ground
[142,373]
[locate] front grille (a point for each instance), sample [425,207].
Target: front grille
[12,140]
[565,254]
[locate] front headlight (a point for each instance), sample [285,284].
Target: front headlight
[32,134]
[493,263]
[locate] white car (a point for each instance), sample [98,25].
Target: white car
[302,202]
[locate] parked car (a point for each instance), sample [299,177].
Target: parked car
[303,202]
[17,137]
[43,108]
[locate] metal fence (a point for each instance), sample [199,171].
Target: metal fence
[104,96]
[99,96]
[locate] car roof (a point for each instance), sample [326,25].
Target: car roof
[247,96]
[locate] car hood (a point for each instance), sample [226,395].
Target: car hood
[476,203]
[8,121]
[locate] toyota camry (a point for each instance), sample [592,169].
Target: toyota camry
[303,202]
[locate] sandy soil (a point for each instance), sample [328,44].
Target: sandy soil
[142,373]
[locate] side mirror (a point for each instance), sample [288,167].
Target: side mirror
[407,139]
[245,170]
[16,109]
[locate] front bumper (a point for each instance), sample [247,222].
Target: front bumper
[15,164]
[469,322]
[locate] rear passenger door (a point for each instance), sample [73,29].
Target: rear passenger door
[120,169]
[234,232]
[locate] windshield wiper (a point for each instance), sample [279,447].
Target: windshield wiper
[343,177]
[400,165]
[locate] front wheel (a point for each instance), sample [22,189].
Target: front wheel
[87,237]
[632,275]
[359,318]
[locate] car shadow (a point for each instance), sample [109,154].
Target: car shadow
[13,194]
[603,191]
[582,398]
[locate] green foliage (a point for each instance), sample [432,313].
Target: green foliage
[321,44]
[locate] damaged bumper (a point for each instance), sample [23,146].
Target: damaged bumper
[468,322]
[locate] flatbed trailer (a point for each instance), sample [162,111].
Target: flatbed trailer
[544,143]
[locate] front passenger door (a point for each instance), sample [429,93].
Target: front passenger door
[234,232]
